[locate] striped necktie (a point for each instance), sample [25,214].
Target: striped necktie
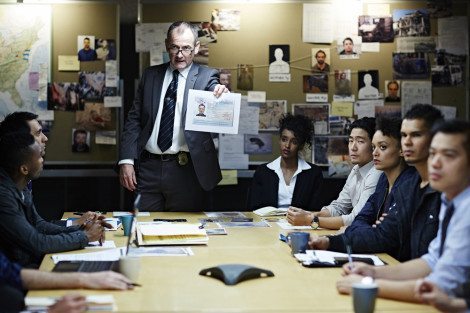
[165,133]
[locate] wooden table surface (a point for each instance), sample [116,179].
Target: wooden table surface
[173,284]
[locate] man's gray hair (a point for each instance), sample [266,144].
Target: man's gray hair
[176,25]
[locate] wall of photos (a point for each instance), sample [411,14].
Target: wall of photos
[71,22]
[268,26]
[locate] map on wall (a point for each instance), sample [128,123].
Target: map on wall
[25,54]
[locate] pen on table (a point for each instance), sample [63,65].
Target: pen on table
[350,261]
[134,284]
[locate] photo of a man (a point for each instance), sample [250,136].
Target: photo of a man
[202,109]
[86,48]
[320,60]
[225,78]
[392,91]
[349,47]
[81,141]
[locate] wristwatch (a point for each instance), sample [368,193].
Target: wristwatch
[315,222]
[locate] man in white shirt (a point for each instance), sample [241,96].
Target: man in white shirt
[172,168]
[360,183]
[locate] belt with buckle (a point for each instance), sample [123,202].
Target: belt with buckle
[181,156]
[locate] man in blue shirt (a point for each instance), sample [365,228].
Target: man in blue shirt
[87,53]
[14,280]
[447,263]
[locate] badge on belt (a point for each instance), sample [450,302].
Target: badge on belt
[182,158]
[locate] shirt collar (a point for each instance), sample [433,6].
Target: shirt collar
[363,170]
[302,165]
[457,201]
[184,72]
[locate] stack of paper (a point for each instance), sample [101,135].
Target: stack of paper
[94,303]
[270,211]
[170,234]
[105,255]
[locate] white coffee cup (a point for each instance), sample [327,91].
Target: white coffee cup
[129,266]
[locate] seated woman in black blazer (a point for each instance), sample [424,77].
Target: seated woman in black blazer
[289,180]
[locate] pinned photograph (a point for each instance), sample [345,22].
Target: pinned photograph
[368,84]
[279,68]
[349,47]
[206,34]
[449,70]
[410,22]
[332,151]
[320,60]
[339,164]
[279,58]
[410,66]
[92,86]
[270,112]
[318,113]
[225,78]
[340,125]
[105,49]
[86,48]
[258,144]
[245,77]
[389,111]
[343,83]
[439,8]
[392,91]
[80,141]
[64,97]
[375,28]
[315,83]
[94,117]
[226,19]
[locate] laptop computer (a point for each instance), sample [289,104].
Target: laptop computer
[98,266]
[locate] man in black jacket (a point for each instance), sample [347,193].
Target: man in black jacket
[412,222]
[27,122]
[26,237]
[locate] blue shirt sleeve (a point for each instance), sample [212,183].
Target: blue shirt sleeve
[451,270]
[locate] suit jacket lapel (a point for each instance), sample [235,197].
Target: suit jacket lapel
[190,81]
[157,84]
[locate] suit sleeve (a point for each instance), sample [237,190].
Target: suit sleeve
[213,80]
[17,231]
[132,127]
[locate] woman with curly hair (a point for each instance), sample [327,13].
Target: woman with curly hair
[289,180]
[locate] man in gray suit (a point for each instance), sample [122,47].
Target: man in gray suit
[175,167]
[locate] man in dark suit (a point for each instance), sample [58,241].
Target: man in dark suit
[175,167]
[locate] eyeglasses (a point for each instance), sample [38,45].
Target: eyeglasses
[186,50]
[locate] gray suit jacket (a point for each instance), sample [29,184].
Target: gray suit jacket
[142,115]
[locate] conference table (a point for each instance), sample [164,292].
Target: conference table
[173,283]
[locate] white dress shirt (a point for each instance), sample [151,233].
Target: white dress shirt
[179,142]
[285,192]
[359,186]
